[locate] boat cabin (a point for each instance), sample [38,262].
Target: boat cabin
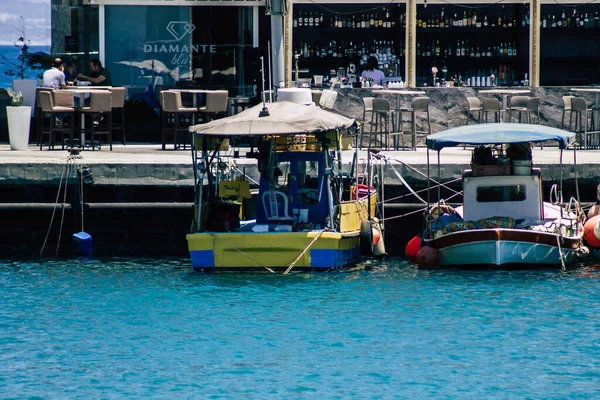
[294,191]
[516,196]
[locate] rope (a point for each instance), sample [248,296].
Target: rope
[54,210]
[241,252]
[287,271]
[562,261]
[62,217]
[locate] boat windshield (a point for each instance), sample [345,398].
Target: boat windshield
[487,194]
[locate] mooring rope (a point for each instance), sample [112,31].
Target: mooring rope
[62,176]
[287,271]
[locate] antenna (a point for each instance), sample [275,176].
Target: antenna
[265,111]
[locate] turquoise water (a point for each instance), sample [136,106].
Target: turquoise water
[127,328]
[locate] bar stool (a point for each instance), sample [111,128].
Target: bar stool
[173,109]
[118,107]
[519,105]
[492,105]
[382,113]
[580,109]
[566,107]
[473,105]
[367,108]
[418,105]
[49,108]
[39,115]
[100,113]
[533,106]
[238,104]
[216,104]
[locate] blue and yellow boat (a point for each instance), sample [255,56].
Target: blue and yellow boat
[303,213]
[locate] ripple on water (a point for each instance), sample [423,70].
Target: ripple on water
[122,327]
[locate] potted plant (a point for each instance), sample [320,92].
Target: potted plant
[19,120]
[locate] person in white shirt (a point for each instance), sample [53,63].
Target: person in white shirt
[371,71]
[54,77]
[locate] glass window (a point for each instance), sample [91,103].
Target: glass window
[174,46]
[486,194]
[75,33]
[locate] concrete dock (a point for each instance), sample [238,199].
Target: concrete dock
[140,199]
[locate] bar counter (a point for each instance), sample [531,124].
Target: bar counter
[448,105]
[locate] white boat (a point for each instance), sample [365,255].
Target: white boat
[503,220]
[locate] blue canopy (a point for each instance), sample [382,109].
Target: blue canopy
[497,134]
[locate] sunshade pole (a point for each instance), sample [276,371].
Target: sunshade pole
[439,176]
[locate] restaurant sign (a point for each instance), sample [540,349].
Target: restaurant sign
[181,51]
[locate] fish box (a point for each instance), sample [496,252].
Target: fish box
[490,170]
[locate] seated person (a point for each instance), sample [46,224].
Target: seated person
[98,75]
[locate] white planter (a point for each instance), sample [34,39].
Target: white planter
[27,89]
[19,120]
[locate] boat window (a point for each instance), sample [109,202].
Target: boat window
[487,194]
[308,174]
[282,173]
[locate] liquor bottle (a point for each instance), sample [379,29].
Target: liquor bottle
[300,20]
[469,20]
[311,20]
[387,23]
[514,49]
[372,22]
[477,53]
[437,48]
[463,49]
[305,19]
[544,25]
[485,21]
[458,52]
[442,21]
[317,21]
[509,51]
[295,21]
[380,21]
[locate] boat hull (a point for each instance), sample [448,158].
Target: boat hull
[251,251]
[503,247]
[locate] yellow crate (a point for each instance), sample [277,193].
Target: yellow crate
[237,188]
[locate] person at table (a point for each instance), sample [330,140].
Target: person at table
[54,77]
[69,73]
[98,75]
[372,72]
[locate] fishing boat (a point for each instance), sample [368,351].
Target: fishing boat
[503,220]
[303,212]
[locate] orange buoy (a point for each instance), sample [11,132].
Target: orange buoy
[376,235]
[591,231]
[595,210]
[412,248]
[428,256]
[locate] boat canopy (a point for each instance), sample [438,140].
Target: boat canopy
[497,134]
[283,118]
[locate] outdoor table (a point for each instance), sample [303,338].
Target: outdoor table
[399,93]
[505,93]
[596,105]
[194,92]
[82,90]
